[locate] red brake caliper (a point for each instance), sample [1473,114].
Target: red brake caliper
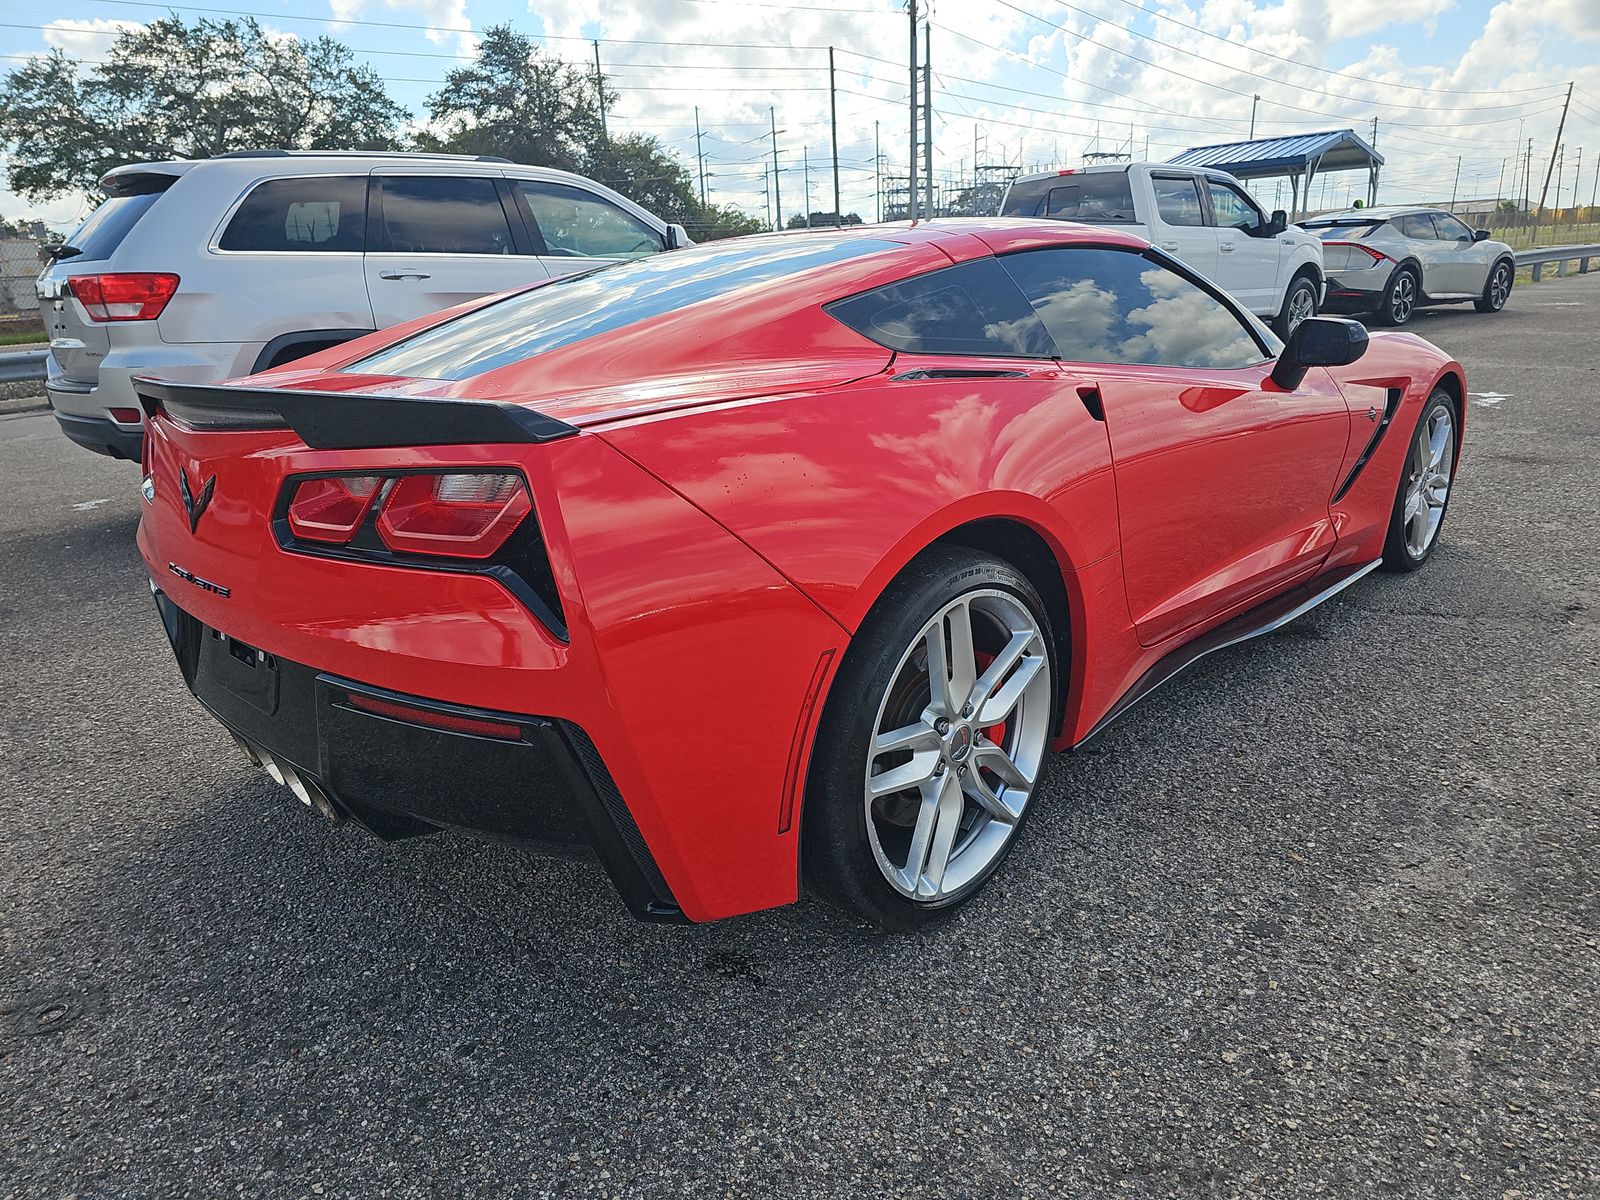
[995,733]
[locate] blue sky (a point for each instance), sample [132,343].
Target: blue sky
[1040,81]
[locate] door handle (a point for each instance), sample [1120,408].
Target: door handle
[1169,245]
[404,273]
[1225,247]
[1090,395]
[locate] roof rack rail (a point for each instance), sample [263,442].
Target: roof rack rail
[494,158]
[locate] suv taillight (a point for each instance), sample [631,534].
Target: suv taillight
[452,514]
[123,296]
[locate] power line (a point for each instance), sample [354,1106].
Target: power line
[1419,87]
[1221,87]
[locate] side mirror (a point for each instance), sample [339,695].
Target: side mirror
[1278,223]
[1318,342]
[678,237]
[1480,235]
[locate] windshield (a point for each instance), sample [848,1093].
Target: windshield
[1103,197]
[569,310]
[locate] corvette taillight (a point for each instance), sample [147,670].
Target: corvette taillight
[458,515]
[331,510]
[123,296]
[454,514]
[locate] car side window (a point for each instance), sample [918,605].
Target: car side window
[316,213]
[1178,200]
[1232,210]
[1116,306]
[1450,229]
[1416,225]
[440,214]
[579,224]
[973,308]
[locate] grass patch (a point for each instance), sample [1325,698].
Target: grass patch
[22,336]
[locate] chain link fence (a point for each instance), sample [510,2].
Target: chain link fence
[20,260]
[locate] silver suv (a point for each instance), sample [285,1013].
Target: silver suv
[204,270]
[1391,261]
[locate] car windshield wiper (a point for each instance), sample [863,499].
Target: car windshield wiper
[56,251]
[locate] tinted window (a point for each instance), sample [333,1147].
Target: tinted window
[1450,229]
[435,214]
[1344,230]
[1113,306]
[973,308]
[580,306]
[1416,225]
[1178,201]
[1102,196]
[102,233]
[1231,210]
[579,224]
[313,212]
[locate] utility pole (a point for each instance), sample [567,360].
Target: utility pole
[805,159]
[1545,191]
[833,120]
[911,178]
[877,167]
[1254,100]
[1456,186]
[700,155]
[600,90]
[1577,179]
[1500,183]
[1372,176]
[777,197]
[1594,192]
[927,115]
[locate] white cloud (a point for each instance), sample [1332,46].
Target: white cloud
[90,38]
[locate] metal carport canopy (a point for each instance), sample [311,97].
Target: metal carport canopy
[1302,154]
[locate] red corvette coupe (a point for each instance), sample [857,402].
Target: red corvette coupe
[777,564]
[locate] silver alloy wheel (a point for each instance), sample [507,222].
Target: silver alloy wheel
[955,751]
[1404,297]
[1432,457]
[1302,304]
[1500,287]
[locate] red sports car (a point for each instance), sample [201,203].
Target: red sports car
[773,565]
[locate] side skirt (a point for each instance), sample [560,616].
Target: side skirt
[1264,618]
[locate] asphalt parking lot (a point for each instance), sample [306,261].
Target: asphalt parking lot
[1320,918]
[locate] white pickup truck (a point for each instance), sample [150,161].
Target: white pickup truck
[1202,217]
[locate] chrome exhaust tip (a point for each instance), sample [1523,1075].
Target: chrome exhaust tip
[309,794]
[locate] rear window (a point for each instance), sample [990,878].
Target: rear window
[1341,231]
[567,311]
[974,308]
[1099,198]
[99,236]
[323,213]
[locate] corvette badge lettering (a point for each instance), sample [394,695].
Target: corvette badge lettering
[205,585]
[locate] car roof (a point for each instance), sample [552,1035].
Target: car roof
[1376,213]
[294,162]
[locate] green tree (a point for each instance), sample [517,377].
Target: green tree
[172,90]
[516,100]
[821,220]
[646,172]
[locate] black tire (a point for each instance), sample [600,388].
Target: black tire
[1497,288]
[837,855]
[1399,555]
[1401,297]
[1299,286]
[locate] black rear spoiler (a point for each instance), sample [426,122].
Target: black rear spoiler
[349,420]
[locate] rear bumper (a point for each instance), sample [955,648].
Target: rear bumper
[1356,291]
[101,434]
[533,780]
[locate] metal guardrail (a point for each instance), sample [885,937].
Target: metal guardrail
[1537,260]
[28,365]
[22,366]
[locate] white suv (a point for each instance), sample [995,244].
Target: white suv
[1202,216]
[204,270]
